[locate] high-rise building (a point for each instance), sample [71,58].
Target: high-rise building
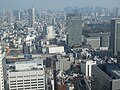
[115,36]
[31,17]
[2,70]
[106,76]
[16,14]
[8,17]
[27,75]
[74,29]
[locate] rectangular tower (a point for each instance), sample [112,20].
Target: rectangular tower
[2,69]
[31,17]
[115,36]
[74,29]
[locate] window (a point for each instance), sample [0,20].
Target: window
[27,88]
[13,84]
[40,84]
[40,79]
[26,80]
[12,81]
[33,75]
[33,79]
[20,86]
[20,81]
[40,87]
[27,76]
[34,85]
[12,77]
[33,82]
[27,83]
[19,76]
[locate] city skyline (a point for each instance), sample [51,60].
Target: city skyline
[55,4]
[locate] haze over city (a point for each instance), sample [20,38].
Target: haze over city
[56,4]
[59,44]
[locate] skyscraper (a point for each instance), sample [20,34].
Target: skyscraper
[115,36]
[16,14]
[31,17]
[8,17]
[74,29]
[2,60]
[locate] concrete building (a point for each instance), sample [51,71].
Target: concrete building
[106,76]
[48,32]
[94,42]
[104,38]
[31,17]
[74,29]
[2,69]
[115,36]
[86,67]
[27,75]
[64,62]
[55,49]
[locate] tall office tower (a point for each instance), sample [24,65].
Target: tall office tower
[74,29]
[115,36]
[31,17]
[2,69]
[8,17]
[27,75]
[116,12]
[16,14]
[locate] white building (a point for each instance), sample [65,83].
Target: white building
[49,32]
[27,75]
[2,62]
[55,49]
[86,67]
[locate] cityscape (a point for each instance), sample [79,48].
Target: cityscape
[71,45]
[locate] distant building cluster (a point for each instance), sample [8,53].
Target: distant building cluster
[72,49]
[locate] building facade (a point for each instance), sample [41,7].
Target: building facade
[2,69]
[31,17]
[49,32]
[74,29]
[28,75]
[106,76]
[115,36]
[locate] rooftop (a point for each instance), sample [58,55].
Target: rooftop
[111,69]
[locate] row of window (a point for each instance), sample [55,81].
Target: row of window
[26,83]
[41,88]
[32,80]
[26,76]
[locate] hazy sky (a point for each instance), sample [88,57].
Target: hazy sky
[55,4]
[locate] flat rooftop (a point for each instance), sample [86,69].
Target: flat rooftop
[111,69]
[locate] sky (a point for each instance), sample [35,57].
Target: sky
[55,4]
